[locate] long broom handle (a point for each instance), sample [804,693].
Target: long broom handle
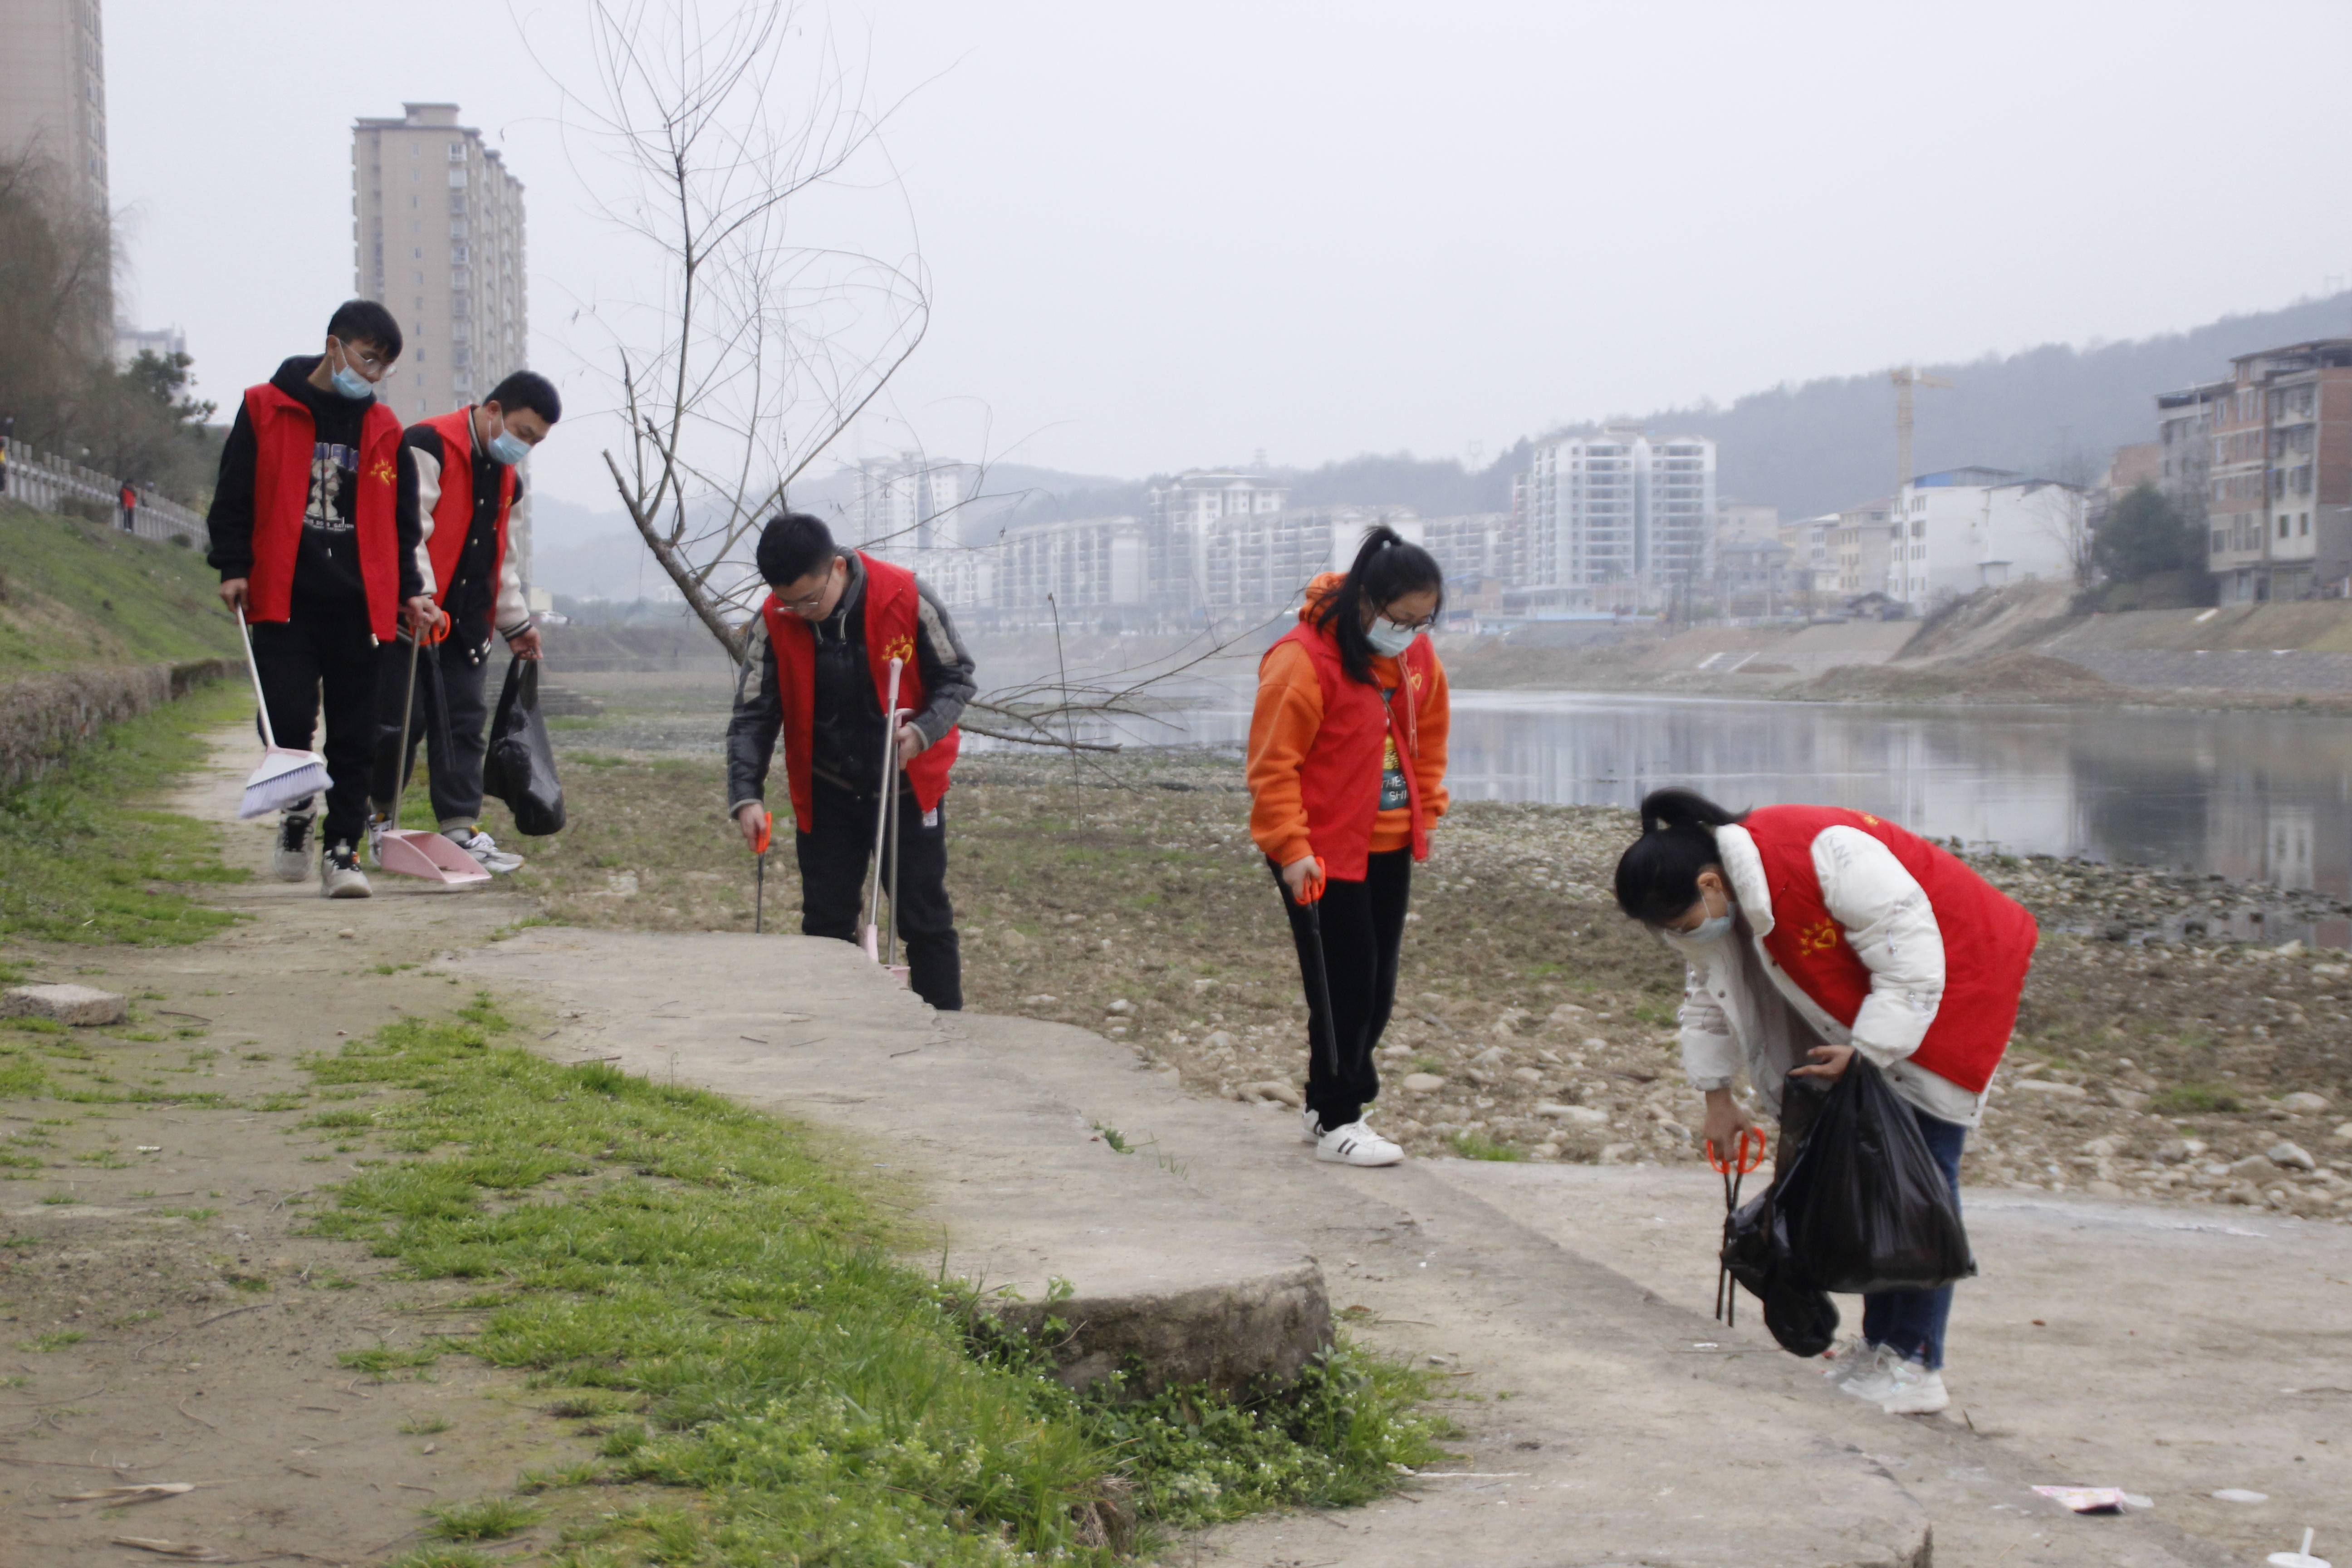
[407,709]
[244,635]
[897,828]
[882,818]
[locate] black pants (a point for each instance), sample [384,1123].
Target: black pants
[834,856]
[456,778]
[1363,925]
[329,652]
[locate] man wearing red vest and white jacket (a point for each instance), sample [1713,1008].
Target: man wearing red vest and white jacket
[1815,933]
[459,485]
[306,538]
[817,675]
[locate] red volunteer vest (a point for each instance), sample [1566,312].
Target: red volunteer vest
[1339,780]
[284,436]
[1987,937]
[453,514]
[891,609]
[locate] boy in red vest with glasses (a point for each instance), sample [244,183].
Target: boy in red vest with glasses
[816,674]
[458,484]
[309,551]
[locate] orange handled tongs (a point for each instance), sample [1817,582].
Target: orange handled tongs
[1748,1156]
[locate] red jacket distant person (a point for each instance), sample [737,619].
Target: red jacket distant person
[458,486]
[1813,933]
[816,677]
[1346,768]
[309,549]
[128,500]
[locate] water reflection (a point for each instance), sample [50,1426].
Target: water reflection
[2252,797]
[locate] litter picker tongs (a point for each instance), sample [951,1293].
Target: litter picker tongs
[1734,1170]
[883,950]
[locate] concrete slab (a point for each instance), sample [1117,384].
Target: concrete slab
[1025,1191]
[80,1005]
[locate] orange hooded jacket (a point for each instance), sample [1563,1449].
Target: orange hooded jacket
[1283,722]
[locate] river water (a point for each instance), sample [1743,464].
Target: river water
[2258,797]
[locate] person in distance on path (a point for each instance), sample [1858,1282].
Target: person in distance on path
[1346,775]
[306,538]
[817,672]
[458,484]
[1811,932]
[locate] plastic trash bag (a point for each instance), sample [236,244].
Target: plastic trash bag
[1797,1313]
[1876,1212]
[519,768]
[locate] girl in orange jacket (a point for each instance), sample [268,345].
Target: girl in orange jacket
[1346,775]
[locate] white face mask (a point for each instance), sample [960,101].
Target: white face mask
[1388,638]
[1713,929]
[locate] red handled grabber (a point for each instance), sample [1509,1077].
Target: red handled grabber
[1734,1169]
[759,878]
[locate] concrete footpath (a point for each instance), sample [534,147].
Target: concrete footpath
[1605,1424]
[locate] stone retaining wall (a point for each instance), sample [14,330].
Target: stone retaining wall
[44,716]
[2218,670]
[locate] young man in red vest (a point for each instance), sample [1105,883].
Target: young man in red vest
[816,674]
[309,550]
[458,486]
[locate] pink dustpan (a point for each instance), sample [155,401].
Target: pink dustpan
[413,852]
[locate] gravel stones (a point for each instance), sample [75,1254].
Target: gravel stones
[2290,1156]
[82,1006]
[2303,1102]
[1422,1083]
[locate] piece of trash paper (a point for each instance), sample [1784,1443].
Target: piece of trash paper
[2240,1494]
[2086,1500]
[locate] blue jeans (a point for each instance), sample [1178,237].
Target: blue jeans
[1912,1321]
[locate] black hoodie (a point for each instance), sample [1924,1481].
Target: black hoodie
[327,566]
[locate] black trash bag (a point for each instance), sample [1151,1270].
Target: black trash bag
[1799,1314]
[520,766]
[1876,1214]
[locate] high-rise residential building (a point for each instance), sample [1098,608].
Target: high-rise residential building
[1479,547]
[437,229]
[1967,528]
[912,502]
[53,91]
[1177,518]
[1087,568]
[1258,562]
[1618,519]
[2278,483]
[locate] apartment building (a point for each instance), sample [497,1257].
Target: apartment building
[1738,519]
[437,233]
[1178,516]
[2278,485]
[1258,562]
[2184,442]
[1089,567]
[1477,547]
[913,502]
[53,93]
[1617,520]
[1864,547]
[1811,543]
[1967,528]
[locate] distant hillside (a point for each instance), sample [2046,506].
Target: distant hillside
[2055,410]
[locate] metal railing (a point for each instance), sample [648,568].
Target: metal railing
[42,480]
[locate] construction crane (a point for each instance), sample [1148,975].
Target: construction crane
[1906,378]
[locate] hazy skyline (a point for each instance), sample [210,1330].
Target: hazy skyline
[1166,237]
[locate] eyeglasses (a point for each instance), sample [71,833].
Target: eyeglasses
[367,361]
[1426,623]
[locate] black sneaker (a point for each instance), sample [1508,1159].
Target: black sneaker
[339,876]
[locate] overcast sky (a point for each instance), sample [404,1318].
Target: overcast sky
[1164,236]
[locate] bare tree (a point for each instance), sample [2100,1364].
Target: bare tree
[760,345]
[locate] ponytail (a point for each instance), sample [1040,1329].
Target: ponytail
[1385,570]
[1657,876]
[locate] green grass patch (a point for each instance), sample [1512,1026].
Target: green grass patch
[76,866]
[81,594]
[712,1272]
[1478,1146]
[2194,1099]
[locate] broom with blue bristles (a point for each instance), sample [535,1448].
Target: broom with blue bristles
[285,776]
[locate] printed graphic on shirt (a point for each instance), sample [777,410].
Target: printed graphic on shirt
[332,464]
[1392,791]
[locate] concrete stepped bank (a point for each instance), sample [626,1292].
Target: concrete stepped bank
[1604,1425]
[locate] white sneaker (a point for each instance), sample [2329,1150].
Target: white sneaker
[484,849]
[1917,1391]
[339,876]
[1357,1144]
[376,826]
[1310,1127]
[1852,1357]
[290,859]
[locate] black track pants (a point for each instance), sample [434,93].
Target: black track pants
[834,857]
[456,779]
[324,658]
[1363,925]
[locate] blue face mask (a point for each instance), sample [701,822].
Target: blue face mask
[1714,927]
[351,384]
[1388,638]
[507,447]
